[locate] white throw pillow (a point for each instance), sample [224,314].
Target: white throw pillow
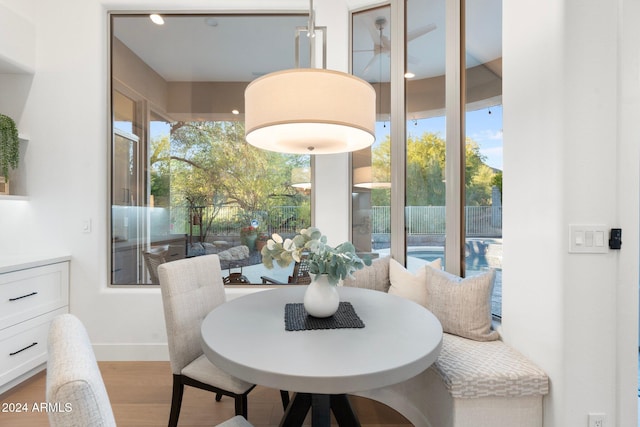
[409,285]
[463,306]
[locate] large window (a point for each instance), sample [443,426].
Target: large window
[436,113]
[371,167]
[183,180]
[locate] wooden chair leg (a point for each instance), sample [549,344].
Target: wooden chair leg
[176,400]
[284,395]
[241,405]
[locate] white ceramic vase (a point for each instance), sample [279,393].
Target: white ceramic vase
[321,298]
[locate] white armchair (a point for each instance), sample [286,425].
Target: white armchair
[74,383]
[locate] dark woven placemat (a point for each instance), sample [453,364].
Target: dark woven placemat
[296,318]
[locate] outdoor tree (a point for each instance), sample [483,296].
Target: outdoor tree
[425,176]
[159,171]
[211,165]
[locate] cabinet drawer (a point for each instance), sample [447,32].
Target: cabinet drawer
[25,294]
[24,346]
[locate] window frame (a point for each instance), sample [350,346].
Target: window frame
[455,111]
[144,108]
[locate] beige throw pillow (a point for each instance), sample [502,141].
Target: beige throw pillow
[409,285]
[463,306]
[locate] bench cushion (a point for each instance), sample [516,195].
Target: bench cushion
[470,369]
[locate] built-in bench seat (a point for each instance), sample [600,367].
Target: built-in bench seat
[472,384]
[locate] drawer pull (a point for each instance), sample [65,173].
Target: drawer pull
[23,349]
[23,296]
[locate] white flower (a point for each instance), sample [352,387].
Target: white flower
[337,263]
[288,245]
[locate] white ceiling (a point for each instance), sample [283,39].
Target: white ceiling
[243,47]
[189,48]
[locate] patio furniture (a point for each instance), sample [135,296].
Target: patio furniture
[152,259]
[235,278]
[299,276]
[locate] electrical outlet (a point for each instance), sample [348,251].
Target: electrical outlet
[596,420]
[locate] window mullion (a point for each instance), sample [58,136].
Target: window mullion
[398,131]
[455,161]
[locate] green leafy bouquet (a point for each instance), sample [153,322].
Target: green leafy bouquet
[337,263]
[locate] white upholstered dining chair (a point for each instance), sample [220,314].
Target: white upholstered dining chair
[74,383]
[191,288]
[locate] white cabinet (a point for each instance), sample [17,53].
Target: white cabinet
[31,294]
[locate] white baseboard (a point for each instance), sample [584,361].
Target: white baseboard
[130,352]
[8,386]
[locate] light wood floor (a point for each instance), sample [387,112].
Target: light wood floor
[140,394]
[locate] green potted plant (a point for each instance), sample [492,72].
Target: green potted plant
[248,236]
[327,265]
[9,147]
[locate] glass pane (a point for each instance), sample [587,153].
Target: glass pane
[124,110]
[371,167]
[483,180]
[185,183]
[425,128]
[125,216]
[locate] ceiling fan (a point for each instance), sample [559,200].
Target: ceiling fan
[382,44]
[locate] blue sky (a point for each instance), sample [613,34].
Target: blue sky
[482,127]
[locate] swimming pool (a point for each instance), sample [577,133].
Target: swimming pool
[473,262]
[427,255]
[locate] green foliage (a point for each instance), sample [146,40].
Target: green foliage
[9,145]
[425,172]
[497,181]
[209,158]
[159,170]
[337,263]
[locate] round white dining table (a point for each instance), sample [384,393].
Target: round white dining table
[246,337]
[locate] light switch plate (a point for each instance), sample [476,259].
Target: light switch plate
[588,239]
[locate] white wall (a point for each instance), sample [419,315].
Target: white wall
[66,118]
[571,104]
[571,156]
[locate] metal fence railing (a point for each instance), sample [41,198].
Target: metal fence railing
[229,220]
[420,220]
[483,221]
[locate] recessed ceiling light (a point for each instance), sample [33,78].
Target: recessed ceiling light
[409,75]
[235,112]
[156,19]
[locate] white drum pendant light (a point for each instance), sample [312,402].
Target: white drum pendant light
[310,111]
